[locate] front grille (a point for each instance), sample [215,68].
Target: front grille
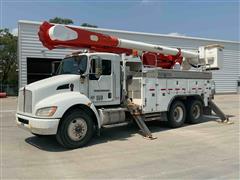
[25,101]
[28,101]
[20,101]
[24,121]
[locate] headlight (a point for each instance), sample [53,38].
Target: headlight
[46,111]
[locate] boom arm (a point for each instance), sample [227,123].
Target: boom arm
[61,36]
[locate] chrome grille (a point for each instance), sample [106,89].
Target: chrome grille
[25,101]
[20,101]
[28,101]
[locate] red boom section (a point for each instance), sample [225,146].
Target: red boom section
[104,43]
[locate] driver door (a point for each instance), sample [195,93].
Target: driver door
[100,80]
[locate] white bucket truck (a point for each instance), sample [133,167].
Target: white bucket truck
[93,89]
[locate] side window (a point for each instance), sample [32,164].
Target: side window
[100,67]
[106,67]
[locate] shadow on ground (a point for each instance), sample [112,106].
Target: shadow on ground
[120,133]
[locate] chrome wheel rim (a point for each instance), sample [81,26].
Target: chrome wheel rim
[178,114]
[77,129]
[196,112]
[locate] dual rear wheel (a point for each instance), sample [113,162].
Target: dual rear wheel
[179,113]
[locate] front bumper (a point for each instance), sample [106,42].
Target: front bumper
[37,125]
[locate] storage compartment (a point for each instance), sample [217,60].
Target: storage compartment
[143,92]
[134,88]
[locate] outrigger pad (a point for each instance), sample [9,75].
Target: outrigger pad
[225,121]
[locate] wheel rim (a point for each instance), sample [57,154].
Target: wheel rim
[178,114]
[77,129]
[196,112]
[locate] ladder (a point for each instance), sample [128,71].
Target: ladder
[139,119]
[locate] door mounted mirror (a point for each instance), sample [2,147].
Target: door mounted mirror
[95,67]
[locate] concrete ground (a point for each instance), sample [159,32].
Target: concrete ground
[208,150]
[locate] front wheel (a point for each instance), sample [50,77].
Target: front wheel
[75,130]
[176,114]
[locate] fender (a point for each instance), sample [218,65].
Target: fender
[64,101]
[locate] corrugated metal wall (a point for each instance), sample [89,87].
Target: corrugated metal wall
[226,78]
[30,46]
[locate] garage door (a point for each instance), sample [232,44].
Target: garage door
[41,68]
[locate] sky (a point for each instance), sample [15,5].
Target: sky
[215,19]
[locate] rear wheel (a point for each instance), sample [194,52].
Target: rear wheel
[76,129]
[176,114]
[194,111]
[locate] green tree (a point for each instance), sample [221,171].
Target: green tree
[59,20]
[8,56]
[88,25]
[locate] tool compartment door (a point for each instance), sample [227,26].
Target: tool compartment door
[149,95]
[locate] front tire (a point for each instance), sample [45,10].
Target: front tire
[75,129]
[176,114]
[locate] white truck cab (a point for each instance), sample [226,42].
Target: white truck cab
[42,104]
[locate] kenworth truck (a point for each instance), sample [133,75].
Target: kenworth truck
[112,81]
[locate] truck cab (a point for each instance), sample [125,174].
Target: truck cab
[84,83]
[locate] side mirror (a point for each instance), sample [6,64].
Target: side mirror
[81,71]
[95,67]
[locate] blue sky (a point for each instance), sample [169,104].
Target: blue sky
[217,19]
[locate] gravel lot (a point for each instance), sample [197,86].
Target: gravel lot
[202,151]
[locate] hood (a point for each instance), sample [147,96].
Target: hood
[54,81]
[53,85]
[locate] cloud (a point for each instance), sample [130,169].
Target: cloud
[14,31]
[176,34]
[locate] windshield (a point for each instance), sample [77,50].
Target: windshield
[73,65]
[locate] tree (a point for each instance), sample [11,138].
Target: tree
[8,56]
[59,20]
[88,25]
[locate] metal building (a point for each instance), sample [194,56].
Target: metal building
[36,62]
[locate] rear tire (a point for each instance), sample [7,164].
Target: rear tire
[194,111]
[75,129]
[176,114]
